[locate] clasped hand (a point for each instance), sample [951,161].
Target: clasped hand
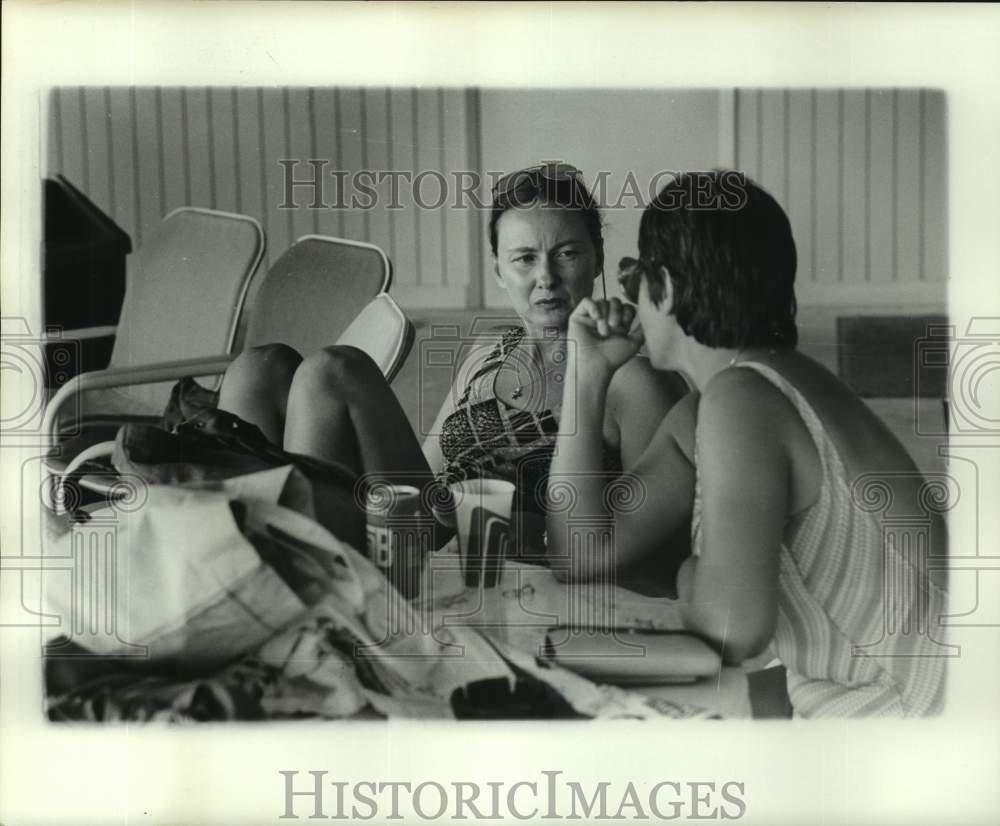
[601,331]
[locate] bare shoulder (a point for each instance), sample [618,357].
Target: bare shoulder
[740,406]
[747,424]
[740,394]
[641,401]
[638,379]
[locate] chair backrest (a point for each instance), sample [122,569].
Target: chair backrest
[185,291]
[315,290]
[384,332]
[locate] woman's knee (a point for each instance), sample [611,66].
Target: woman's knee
[340,368]
[267,366]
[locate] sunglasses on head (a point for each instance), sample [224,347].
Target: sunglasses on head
[532,175]
[630,272]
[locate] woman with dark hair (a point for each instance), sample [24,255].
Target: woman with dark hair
[770,457]
[501,416]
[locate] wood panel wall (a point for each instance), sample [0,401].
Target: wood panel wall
[141,152]
[863,176]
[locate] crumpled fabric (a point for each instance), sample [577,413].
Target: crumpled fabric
[250,609]
[271,611]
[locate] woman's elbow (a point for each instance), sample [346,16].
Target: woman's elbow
[737,650]
[735,639]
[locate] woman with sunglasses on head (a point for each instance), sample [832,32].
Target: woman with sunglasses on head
[502,414]
[772,455]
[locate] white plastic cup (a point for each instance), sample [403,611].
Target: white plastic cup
[482,521]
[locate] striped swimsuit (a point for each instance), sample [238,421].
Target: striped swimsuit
[854,610]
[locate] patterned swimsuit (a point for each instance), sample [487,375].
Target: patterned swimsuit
[486,437]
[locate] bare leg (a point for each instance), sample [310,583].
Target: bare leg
[256,387]
[340,408]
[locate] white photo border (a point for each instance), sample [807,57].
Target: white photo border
[832,771]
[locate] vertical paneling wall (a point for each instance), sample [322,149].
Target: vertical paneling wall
[862,173]
[138,153]
[626,135]
[863,176]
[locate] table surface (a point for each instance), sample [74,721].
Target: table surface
[528,601]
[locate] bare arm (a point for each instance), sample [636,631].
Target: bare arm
[653,497]
[639,398]
[730,590]
[657,490]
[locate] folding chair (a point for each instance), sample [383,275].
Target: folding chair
[288,308]
[185,292]
[384,332]
[315,290]
[196,267]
